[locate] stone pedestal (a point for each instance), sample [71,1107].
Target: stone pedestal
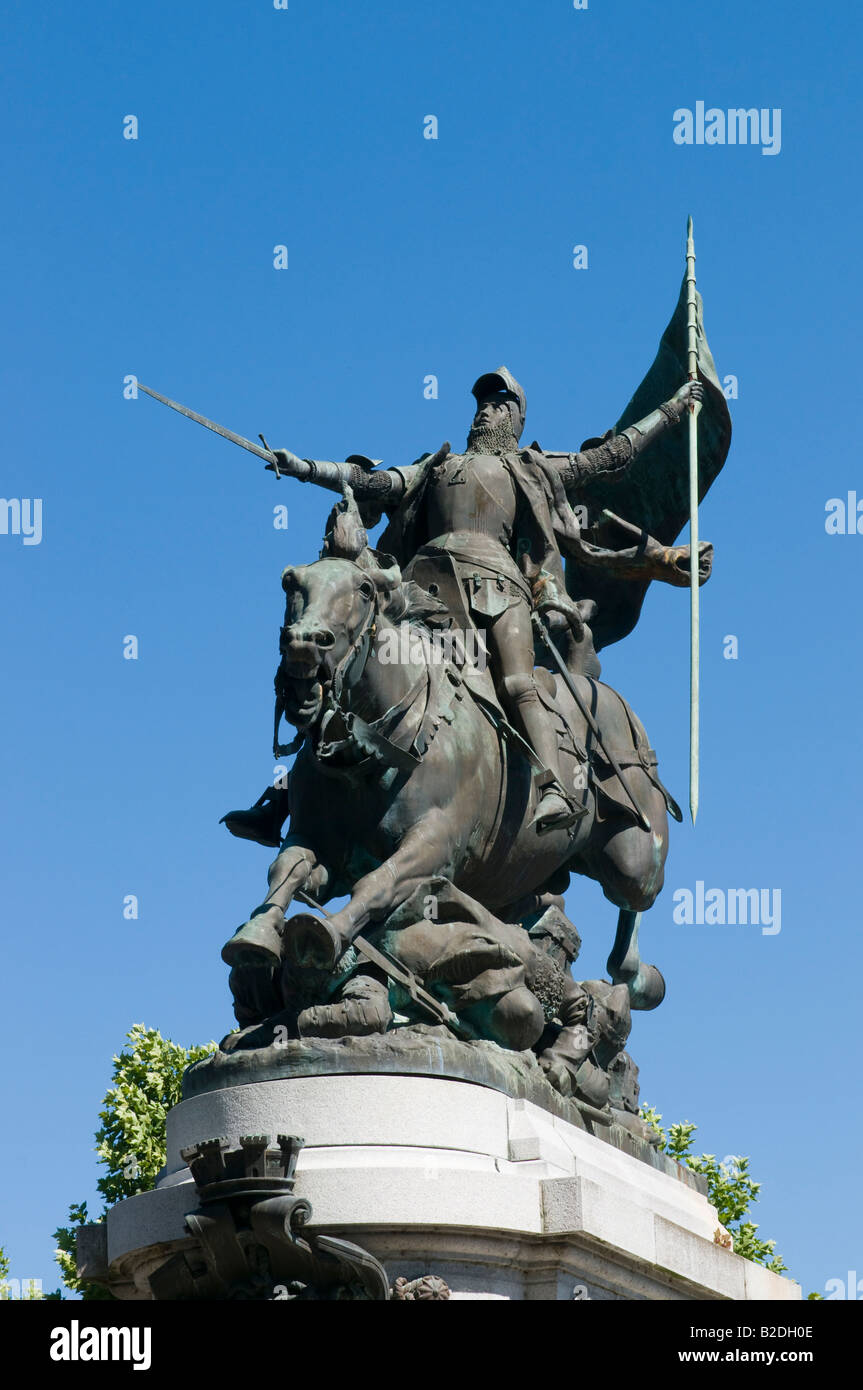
[495,1195]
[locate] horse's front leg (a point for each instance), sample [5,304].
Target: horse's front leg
[425,848]
[259,940]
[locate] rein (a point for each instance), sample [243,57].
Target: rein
[339,679]
[363,639]
[362,737]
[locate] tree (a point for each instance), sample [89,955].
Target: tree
[146,1081]
[730,1189]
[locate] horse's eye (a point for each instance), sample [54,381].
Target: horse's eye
[367,588]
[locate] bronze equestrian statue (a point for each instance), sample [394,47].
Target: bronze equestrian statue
[449,797]
[480,535]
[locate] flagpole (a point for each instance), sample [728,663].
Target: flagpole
[694,654]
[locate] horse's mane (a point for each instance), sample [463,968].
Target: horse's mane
[346,538]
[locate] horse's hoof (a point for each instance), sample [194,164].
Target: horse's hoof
[646,989]
[311,943]
[258,941]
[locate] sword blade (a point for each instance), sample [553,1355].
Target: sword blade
[407,979]
[396,971]
[210,424]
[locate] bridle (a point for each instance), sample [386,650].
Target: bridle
[346,673]
[344,676]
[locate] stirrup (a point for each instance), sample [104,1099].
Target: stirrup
[560,819]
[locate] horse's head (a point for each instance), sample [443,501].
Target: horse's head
[329,605]
[330,613]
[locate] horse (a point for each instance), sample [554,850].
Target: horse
[408,771]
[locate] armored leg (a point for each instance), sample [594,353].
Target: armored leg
[510,641]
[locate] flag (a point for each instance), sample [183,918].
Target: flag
[654,494]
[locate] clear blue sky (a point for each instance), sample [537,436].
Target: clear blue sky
[408,257]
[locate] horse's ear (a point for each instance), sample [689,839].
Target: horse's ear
[346,537]
[398,598]
[387,578]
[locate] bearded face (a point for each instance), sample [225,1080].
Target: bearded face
[491,431]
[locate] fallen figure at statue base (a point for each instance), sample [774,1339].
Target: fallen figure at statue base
[508,984]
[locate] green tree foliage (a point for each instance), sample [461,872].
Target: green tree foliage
[130,1141]
[730,1189]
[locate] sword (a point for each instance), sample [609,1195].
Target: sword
[400,973]
[262,453]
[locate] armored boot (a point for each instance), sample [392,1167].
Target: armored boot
[263,821]
[556,810]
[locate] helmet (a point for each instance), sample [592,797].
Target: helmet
[503,383]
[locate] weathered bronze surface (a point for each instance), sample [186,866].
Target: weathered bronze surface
[458,756]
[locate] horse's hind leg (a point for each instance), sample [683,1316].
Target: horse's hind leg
[625,966]
[629,863]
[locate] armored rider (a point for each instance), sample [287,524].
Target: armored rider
[481,528]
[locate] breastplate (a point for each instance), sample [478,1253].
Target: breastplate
[472,493]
